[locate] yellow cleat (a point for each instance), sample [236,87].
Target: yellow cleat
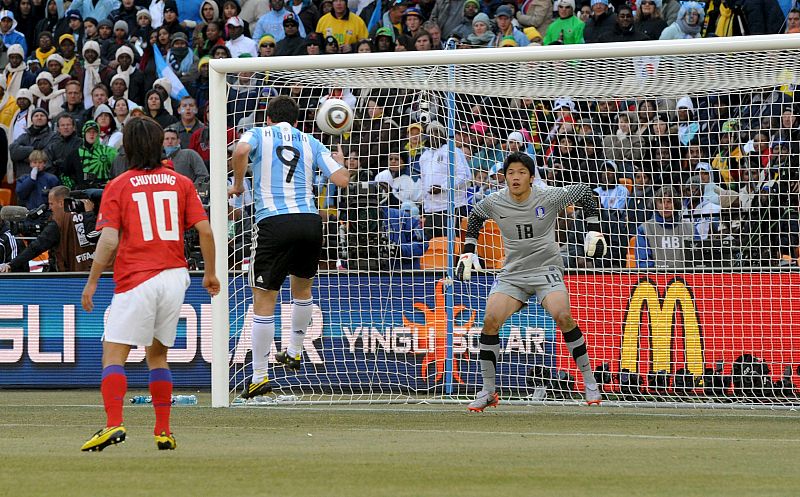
[110,435]
[166,442]
[256,389]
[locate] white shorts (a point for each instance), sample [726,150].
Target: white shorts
[149,310]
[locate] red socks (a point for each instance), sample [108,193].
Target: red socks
[161,391]
[113,386]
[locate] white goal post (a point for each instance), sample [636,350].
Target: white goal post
[627,302]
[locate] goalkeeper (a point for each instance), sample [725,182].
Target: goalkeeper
[526,216]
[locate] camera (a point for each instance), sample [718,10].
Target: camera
[75,202]
[424,114]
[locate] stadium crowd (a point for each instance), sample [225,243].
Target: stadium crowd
[76,72]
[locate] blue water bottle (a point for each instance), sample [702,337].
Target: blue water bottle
[140,399]
[184,400]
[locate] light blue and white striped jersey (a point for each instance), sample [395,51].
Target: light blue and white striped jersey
[284,160]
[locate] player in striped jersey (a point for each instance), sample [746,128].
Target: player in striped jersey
[287,234]
[526,216]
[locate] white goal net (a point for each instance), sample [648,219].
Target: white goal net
[694,157]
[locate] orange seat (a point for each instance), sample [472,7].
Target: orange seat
[630,257]
[490,246]
[628,183]
[5,196]
[437,256]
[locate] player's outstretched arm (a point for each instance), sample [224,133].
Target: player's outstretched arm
[469,259]
[208,250]
[103,256]
[594,243]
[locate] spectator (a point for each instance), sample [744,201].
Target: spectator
[230,9]
[55,66]
[729,155]
[448,14]
[186,161]
[705,214]
[567,29]
[383,41]
[435,31]
[404,229]
[119,90]
[90,165]
[54,12]
[32,188]
[94,72]
[538,14]
[640,201]
[108,133]
[45,48]
[72,24]
[212,38]
[120,39]
[16,73]
[199,89]
[8,244]
[482,34]
[688,24]
[364,46]
[687,121]
[99,9]
[8,32]
[182,60]
[661,241]
[64,236]
[401,186]
[344,27]
[188,122]
[613,195]
[127,11]
[73,104]
[238,43]
[105,32]
[90,29]
[793,21]
[26,21]
[293,42]
[486,150]
[601,22]
[471,9]
[142,31]
[503,17]
[45,95]
[273,22]
[171,21]
[209,12]
[584,13]
[789,129]
[623,29]
[100,96]
[36,137]
[649,20]
[154,108]
[121,113]
[412,22]
[422,42]
[72,64]
[19,123]
[200,144]
[8,107]
[307,12]
[266,46]
[392,19]
[435,183]
[624,145]
[64,143]
[331,45]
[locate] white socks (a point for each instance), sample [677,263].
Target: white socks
[263,334]
[301,318]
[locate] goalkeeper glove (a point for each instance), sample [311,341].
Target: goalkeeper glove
[466,262]
[594,244]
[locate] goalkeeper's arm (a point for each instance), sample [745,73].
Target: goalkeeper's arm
[469,258]
[594,243]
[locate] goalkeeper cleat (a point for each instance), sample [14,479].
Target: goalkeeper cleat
[256,389]
[288,361]
[166,442]
[483,400]
[111,435]
[593,396]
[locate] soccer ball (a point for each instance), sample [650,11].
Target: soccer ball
[334,117]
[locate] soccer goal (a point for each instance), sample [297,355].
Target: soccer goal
[692,147]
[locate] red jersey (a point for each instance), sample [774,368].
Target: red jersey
[151,210]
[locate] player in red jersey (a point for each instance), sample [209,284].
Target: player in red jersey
[143,215]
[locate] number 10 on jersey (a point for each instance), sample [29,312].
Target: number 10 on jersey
[163,203]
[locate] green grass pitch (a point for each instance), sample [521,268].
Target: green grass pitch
[414,450]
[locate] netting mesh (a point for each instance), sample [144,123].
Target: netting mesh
[693,158]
